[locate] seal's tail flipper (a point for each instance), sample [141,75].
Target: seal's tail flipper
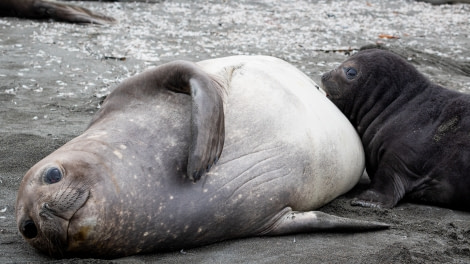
[69,13]
[290,222]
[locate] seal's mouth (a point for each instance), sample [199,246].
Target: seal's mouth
[326,83]
[48,231]
[59,248]
[82,228]
[72,217]
[59,243]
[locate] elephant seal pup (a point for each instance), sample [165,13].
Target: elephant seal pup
[128,184]
[416,134]
[44,9]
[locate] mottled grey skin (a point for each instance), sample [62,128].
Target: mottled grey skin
[415,133]
[45,9]
[126,185]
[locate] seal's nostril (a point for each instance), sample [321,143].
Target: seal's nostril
[29,229]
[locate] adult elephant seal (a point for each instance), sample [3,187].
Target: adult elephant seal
[44,9]
[415,133]
[128,184]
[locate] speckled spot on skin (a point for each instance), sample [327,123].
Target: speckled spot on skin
[199,230]
[212,198]
[122,147]
[146,234]
[171,197]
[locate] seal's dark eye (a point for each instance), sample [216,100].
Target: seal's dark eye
[52,175]
[350,73]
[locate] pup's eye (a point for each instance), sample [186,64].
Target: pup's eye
[350,73]
[52,175]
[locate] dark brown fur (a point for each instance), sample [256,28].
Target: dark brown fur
[416,134]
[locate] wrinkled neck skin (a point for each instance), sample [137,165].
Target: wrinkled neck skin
[380,102]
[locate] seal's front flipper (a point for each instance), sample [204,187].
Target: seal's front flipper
[207,107]
[373,199]
[388,186]
[207,128]
[291,222]
[67,13]
[207,115]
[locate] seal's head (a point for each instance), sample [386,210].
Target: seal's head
[366,83]
[340,83]
[53,195]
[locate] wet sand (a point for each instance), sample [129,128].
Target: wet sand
[54,75]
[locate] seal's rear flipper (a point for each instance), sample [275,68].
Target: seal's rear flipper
[67,13]
[291,222]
